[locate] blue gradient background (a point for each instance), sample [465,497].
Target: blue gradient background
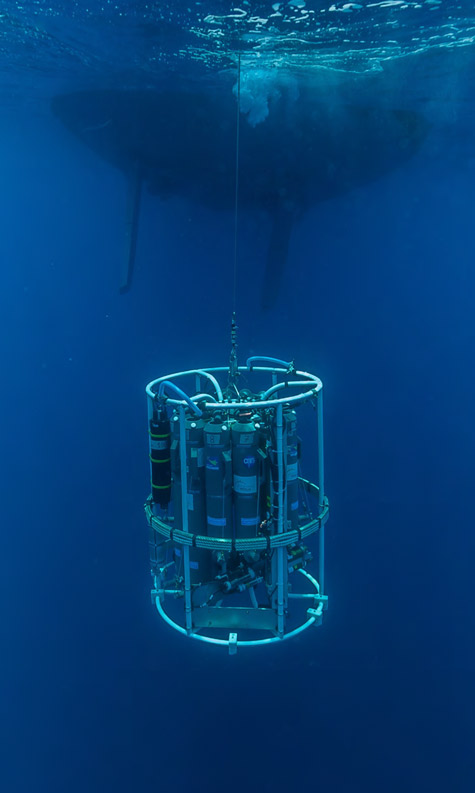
[98,694]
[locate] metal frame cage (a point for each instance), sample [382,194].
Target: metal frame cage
[231,517]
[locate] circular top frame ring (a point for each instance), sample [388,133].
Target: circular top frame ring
[303,379]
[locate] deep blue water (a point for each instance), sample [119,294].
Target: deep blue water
[98,694]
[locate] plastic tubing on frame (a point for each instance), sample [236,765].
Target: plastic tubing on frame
[304,396]
[264,358]
[212,379]
[167,384]
[279,386]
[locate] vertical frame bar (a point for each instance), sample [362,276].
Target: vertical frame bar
[184,519]
[149,417]
[321,493]
[280,520]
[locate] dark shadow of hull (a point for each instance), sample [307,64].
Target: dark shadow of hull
[183,144]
